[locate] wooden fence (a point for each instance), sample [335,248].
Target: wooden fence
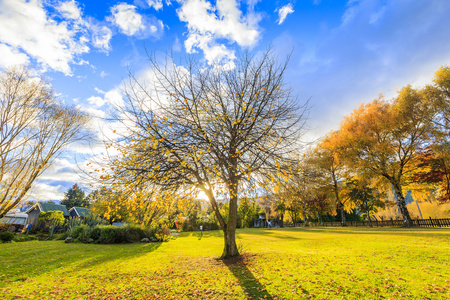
[385,223]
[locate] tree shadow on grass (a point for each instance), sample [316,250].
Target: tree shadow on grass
[121,252]
[206,233]
[253,289]
[396,231]
[32,259]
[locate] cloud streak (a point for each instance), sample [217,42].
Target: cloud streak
[283,12]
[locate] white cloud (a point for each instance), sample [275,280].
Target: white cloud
[25,25]
[101,92]
[114,97]
[97,101]
[207,24]
[54,36]
[61,170]
[10,56]
[132,23]
[101,37]
[156,4]
[44,192]
[92,111]
[126,18]
[70,10]
[283,12]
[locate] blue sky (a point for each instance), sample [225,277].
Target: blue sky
[343,52]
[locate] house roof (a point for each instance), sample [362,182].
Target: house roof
[15,218]
[45,207]
[80,211]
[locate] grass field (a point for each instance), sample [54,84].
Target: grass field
[288,263]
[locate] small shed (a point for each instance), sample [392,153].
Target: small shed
[16,219]
[261,221]
[78,212]
[34,211]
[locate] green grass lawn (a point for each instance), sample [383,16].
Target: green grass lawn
[311,263]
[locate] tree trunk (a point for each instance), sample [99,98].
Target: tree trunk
[370,220]
[229,233]
[402,205]
[339,204]
[343,219]
[304,214]
[319,219]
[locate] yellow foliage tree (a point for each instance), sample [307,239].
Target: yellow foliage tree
[384,138]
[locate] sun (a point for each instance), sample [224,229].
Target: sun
[201,195]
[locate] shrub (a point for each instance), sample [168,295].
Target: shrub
[51,220]
[4,227]
[107,234]
[110,235]
[90,220]
[24,238]
[95,233]
[78,230]
[61,236]
[163,234]
[6,237]
[134,233]
[210,226]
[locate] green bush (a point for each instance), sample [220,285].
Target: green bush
[6,237]
[61,236]
[110,235]
[135,233]
[78,230]
[50,220]
[107,234]
[163,233]
[4,227]
[210,226]
[186,226]
[95,233]
[24,238]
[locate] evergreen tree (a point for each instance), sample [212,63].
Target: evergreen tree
[75,197]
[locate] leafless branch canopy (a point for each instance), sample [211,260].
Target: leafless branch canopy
[204,126]
[34,130]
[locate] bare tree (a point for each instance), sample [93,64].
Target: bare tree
[34,130]
[209,129]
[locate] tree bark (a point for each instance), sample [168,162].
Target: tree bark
[369,219]
[304,214]
[402,204]
[339,204]
[229,232]
[343,219]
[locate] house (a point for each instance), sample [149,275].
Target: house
[34,211]
[15,219]
[78,212]
[261,221]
